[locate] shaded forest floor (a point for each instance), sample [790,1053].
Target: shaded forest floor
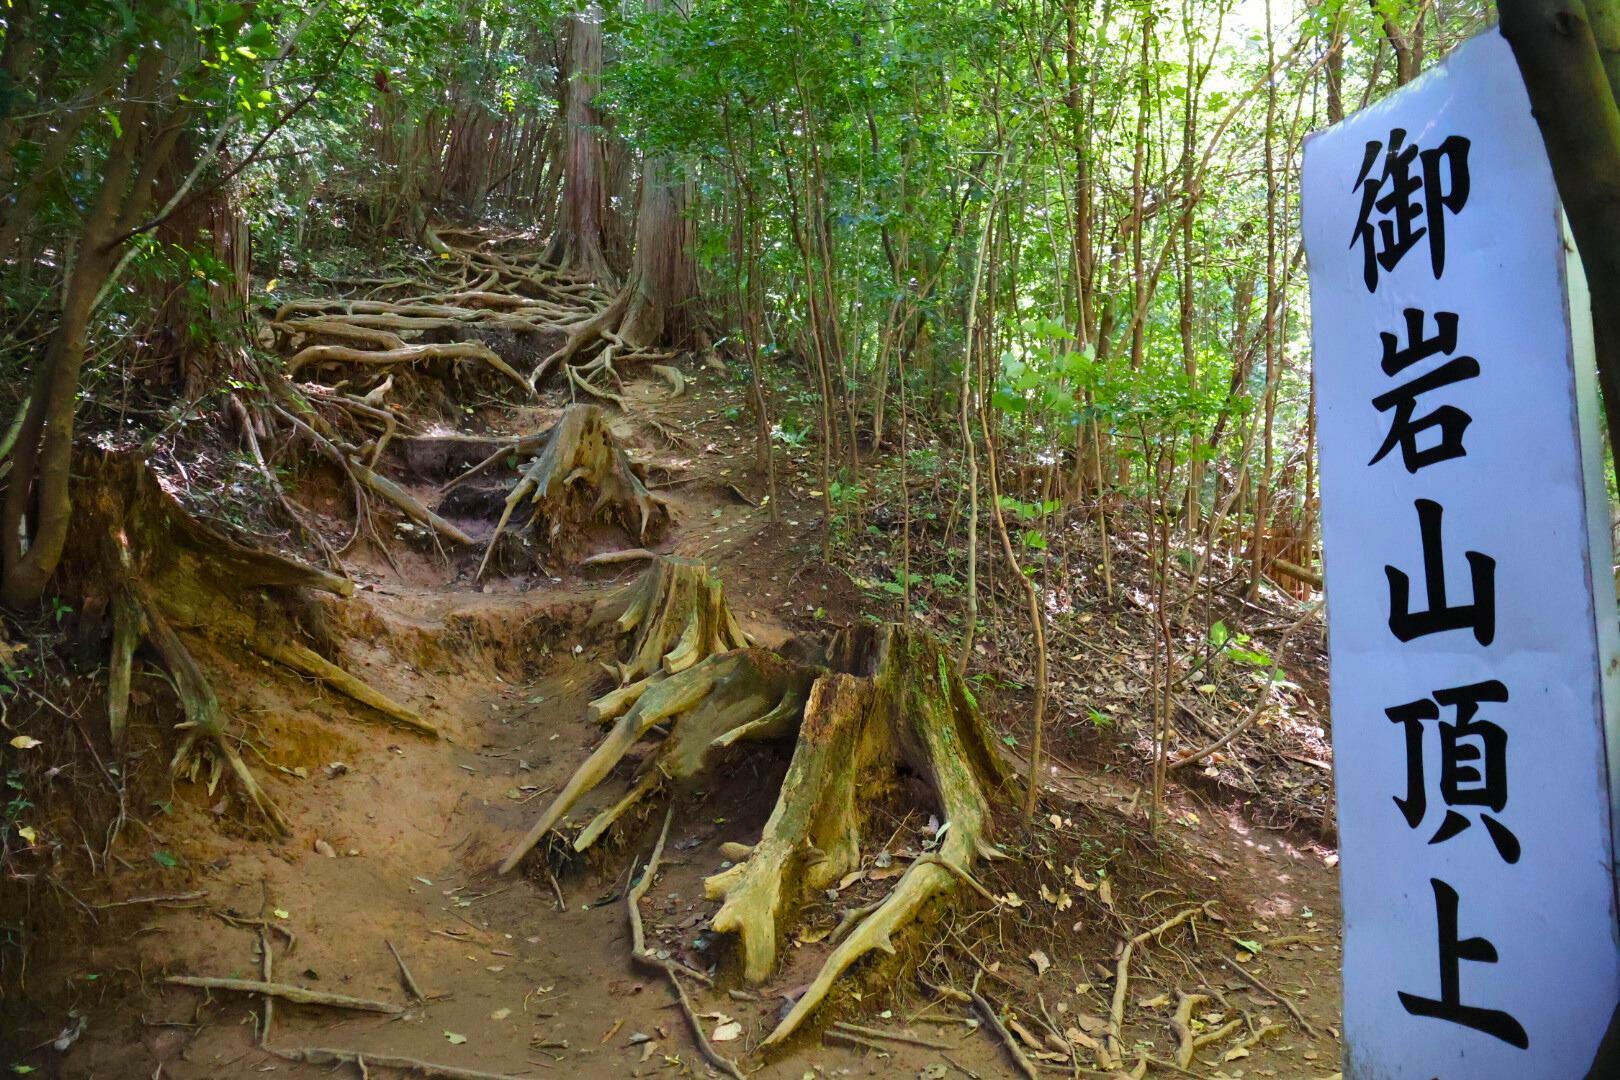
[397,837]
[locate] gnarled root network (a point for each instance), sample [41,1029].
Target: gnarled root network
[580,476]
[888,701]
[164,571]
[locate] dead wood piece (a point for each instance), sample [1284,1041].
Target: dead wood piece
[168,898]
[987,1012]
[267,968]
[632,902]
[640,953]
[1299,1017]
[891,702]
[609,558]
[321,1055]
[892,1036]
[303,659]
[405,973]
[579,476]
[837,1034]
[287,992]
[894,700]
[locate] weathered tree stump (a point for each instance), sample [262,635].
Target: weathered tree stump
[677,616]
[579,477]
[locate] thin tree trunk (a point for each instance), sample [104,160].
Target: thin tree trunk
[1574,104]
[1262,507]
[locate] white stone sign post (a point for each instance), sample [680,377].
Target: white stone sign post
[1471,611]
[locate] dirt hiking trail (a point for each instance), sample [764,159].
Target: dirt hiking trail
[388,890]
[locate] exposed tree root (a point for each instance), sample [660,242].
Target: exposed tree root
[750,692]
[205,724]
[614,325]
[403,354]
[892,701]
[164,571]
[579,476]
[323,1055]
[988,1013]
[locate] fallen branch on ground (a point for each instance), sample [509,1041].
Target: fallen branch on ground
[640,954]
[287,992]
[1299,1018]
[321,1055]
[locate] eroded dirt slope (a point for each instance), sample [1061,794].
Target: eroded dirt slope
[529,975]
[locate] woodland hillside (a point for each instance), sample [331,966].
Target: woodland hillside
[701,538]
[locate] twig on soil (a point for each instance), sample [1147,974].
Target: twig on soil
[283,990]
[562,905]
[266,973]
[639,953]
[320,1055]
[1299,1017]
[1260,702]
[988,1011]
[833,1034]
[172,898]
[405,973]
[262,924]
[892,1036]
